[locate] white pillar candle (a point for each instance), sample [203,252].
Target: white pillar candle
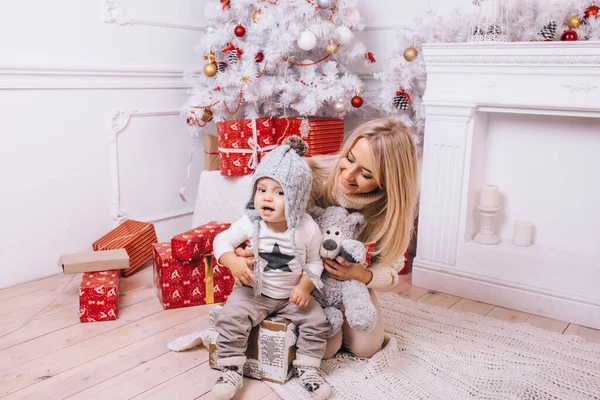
[490,197]
[522,233]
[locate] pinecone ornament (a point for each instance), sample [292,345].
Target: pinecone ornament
[232,57]
[221,66]
[548,31]
[494,29]
[401,100]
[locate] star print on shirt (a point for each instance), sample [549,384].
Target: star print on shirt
[276,259]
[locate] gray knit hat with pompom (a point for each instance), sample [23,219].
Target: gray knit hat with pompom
[285,165]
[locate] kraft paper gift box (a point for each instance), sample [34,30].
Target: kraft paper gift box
[92,261]
[242,143]
[135,237]
[193,244]
[322,135]
[99,296]
[211,153]
[271,348]
[189,283]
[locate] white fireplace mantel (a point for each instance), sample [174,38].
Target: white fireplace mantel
[466,83]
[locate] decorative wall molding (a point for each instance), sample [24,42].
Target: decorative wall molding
[114,13]
[117,122]
[383,28]
[580,86]
[56,77]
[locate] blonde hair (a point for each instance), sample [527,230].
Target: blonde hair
[391,218]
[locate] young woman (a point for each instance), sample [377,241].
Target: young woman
[374,173]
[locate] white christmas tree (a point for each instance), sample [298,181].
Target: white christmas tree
[276,58]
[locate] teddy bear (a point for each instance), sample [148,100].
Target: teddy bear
[340,229]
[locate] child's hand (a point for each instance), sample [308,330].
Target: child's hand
[242,274]
[300,296]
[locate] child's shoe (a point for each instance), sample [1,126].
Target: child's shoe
[229,382]
[307,369]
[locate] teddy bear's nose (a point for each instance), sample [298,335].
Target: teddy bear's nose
[330,244]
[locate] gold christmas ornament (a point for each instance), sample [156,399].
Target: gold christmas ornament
[244,79]
[210,69]
[410,54]
[256,16]
[210,56]
[331,48]
[574,22]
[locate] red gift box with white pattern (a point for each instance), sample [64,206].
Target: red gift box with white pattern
[193,244]
[323,135]
[189,283]
[242,143]
[222,282]
[99,296]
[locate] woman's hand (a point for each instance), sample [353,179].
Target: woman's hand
[244,251]
[341,270]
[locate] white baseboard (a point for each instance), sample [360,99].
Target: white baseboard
[545,305]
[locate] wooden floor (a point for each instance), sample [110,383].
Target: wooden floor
[46,353]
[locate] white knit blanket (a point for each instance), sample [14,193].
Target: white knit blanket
[434,353]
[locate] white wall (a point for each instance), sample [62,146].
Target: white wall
[62,69]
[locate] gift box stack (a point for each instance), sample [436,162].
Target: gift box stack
[271,348]
[242,143]
[185,271]
[122,251]
[99,288]
[135,237]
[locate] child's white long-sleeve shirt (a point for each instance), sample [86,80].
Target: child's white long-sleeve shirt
[282,271]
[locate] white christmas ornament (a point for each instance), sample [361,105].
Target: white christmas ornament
[307,40]
[343,35]
[339,107]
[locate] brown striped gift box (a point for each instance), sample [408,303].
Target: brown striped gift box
[135,237]
[323,135]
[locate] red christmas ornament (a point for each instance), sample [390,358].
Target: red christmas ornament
[239,31]
[591,11]
[356,101]
[259,57]
[370,57]
[569,35]
[225,4]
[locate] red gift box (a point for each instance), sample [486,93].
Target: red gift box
[189,283]
[99,296]
[323,135]
[193,244]
[242,143]
[135,237]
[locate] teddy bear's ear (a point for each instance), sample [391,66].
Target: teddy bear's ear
[357,220]
[315,212]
